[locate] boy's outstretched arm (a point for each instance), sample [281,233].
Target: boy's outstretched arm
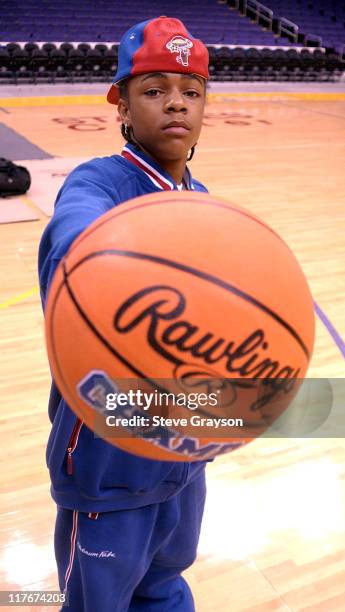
[83,198]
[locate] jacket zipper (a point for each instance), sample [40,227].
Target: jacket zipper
[72,445]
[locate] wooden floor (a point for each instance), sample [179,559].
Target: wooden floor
[273,536]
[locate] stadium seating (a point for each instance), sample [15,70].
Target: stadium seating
[321,18]
[106,20]
[76,41]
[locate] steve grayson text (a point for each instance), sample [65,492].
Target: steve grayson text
[159,421]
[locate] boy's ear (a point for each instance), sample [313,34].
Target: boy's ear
[123,110]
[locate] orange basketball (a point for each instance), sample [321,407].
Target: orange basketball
[174,294]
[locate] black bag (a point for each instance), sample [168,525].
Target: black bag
[14,180]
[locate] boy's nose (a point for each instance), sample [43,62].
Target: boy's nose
[175,102]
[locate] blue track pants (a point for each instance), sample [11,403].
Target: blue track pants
[130,560]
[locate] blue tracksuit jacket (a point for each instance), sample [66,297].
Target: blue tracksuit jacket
[88,474]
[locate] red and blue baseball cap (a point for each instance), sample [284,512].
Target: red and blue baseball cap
[158,45]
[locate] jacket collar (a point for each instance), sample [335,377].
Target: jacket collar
[153,171]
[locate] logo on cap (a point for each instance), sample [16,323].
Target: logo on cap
[180,45]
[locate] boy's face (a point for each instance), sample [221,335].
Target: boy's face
[156,101]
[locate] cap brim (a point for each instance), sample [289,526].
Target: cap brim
[113,94]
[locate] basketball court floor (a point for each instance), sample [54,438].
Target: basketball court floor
[273,535]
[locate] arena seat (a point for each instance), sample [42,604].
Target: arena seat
[94,65]
[5,64]
[48,47]
[30,47]
[75,65]
[66,48]
[40,65]
[21,65]
[57,65]
[84,48]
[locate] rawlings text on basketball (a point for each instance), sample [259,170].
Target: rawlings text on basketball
[167,330]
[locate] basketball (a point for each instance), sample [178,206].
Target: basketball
[181,293]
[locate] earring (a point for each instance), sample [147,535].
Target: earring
[126,129]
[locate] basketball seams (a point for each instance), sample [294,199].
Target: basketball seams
[117,213]
[79,412]
[65,284]
[103,340]
[282,329]
[52,341]
[204,276]
[95,330]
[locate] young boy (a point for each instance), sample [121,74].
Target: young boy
[127,527]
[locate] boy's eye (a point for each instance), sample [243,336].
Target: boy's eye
[152,92]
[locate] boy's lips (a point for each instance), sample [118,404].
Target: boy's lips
[176,127]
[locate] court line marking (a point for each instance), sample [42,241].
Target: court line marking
[31,204]
[330,328]
[211,96]
[307,145]
[277,96]
[53,101]
[308,110]
[320,313]
[16,299]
